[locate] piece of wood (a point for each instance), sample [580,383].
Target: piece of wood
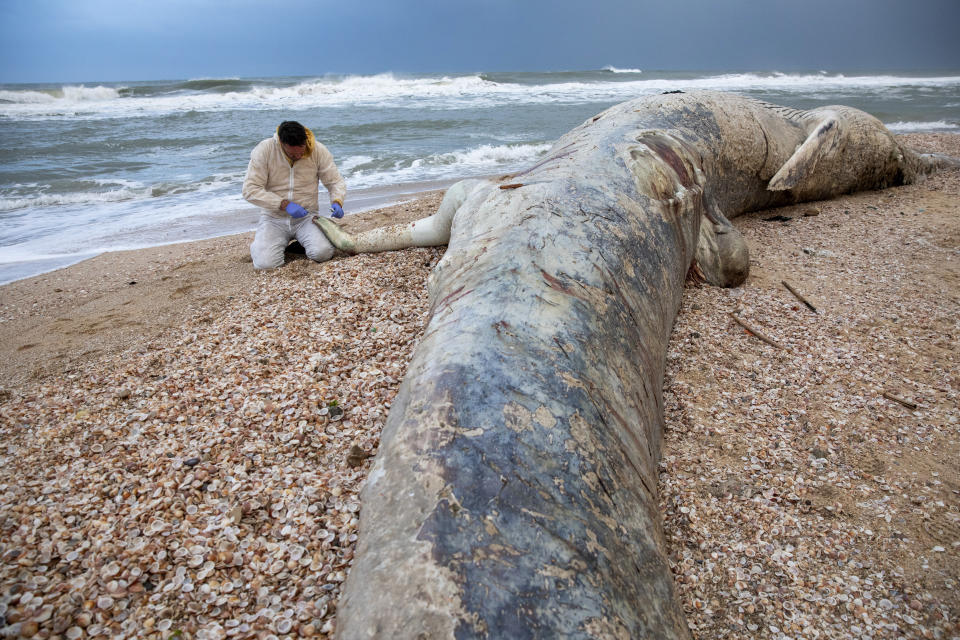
[798,296]
[907,403]
[756,333]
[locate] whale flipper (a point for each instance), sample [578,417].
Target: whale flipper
[800,166]
[722,253]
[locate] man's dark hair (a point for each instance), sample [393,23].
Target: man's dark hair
[292,133]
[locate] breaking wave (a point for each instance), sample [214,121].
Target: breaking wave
[368,171]
[66,94]
[921,127]
[97,192]
[417,92]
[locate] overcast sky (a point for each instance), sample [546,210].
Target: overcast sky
[118,40]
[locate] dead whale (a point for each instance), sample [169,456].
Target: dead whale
[514,493]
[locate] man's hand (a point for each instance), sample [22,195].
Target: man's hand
[336,210]
[295,210]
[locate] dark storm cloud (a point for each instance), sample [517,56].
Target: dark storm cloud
[101,40]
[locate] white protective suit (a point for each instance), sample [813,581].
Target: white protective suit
[273,177]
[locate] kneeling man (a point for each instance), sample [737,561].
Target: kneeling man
[282,179]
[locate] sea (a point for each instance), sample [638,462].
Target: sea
[103,166]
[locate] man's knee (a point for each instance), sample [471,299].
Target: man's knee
[265,256]
[315,244]
[320,252]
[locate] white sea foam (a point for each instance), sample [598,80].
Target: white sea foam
[75,198]
[67,94]
[27,97]
[90,94]
[115,190]
[447,92]
[616,70]
[920,127]
[489,156]
[481,160]
[80,230]
[347,165]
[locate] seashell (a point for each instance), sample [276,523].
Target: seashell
[44,614]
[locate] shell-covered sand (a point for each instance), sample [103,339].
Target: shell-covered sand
[182,440]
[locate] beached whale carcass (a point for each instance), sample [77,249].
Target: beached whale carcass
[514,493]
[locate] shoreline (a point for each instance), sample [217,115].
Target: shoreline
[59,319]
[186,453]
[236,222]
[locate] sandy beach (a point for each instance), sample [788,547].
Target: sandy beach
[183,440]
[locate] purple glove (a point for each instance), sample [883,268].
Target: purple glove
[336,210]
[295,210]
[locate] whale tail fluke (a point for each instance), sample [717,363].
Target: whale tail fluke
[431,231]
[336,235]
[390,238]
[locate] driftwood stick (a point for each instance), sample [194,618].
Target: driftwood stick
[798,296]
[756,333]
[908,404]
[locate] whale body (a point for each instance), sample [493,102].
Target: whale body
[514,494]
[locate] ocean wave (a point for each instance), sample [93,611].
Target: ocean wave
[799,82]
[416,92]
[378,87]
[348,165]
[90,94]
[8,203]
[65,94]
[616,70]
[365,171]
[100,191]
[486,156]
[219,85]
[920,127]
[26,97]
